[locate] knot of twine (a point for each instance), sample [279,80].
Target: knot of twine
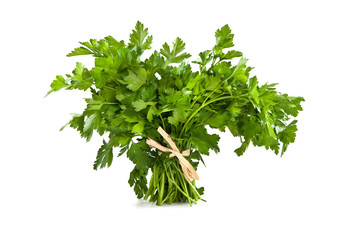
[188,170]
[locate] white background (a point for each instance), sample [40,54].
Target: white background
[47,185]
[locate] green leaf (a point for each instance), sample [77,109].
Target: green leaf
[212,82]
[99,48]
[220,120]
[148,92]
[137,153]
[192,83]
[120,93]
[138,180]
[203,141]
[109,95]
[231,54]
[138,128]
[224,39]
[251,128]
[79,51]
[82,78]
[57,84]
[240,69]
[121,140]
[288,135]
[131,116]
[100,77]
[240,151]
[94,47]
[104,156]
[172,55]
[77,122]
[90,123]
[223,70]
[151,112]
[138,35]
[180,115]
[113,42]
[234,129]
[95,103]
[123,150]
[173,121]
[253,92]
[205,58]
[234,108]
[289,105]
[139,105]
[174,96]
[268,138]
[136,79]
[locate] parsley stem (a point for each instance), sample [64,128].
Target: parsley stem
[108,103]
[162,120]
[109,88]
[117,81]
[179,188]
[195,100]
[199,108]
[191,184]
[232,74]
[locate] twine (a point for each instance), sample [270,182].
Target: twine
[188,170]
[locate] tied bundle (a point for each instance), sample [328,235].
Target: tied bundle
[188,170]
[134,99]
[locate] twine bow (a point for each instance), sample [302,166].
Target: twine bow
[188,170]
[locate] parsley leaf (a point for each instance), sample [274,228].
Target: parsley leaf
[240,151]
[172,55]
[139,105]
[138,181]
[104,156]
[82,78]
[57,84]
[137,153]
[136,79]
[138,37]
[203,141]
[79,51]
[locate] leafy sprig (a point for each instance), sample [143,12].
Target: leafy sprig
[132,97]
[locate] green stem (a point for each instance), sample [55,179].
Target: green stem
[109,103]
[192,186]
[213,61]
[162,120]
[178,187]
[201,107]
[109,87]
[232,74]
[195,100]
[161,189]
[116,81]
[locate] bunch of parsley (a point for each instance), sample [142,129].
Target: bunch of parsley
[132,97]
